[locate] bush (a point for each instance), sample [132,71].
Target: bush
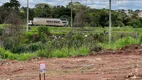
[120,43]
[8,43]
[83,51]
[33,47]
[125,41]
[43,33]
[60,53]
[44,53]
[140,38]
[76,41]
[26,56]
[22,48]
[43,29]
[32,37]
[95,48]
[1,31]
[7,54]
[136,23]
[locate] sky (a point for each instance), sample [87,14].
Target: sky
[99,4]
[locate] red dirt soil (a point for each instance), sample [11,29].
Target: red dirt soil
[122,64]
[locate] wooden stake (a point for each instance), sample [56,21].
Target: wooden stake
[44,76]
[39,76]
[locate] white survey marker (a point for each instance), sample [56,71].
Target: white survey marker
[42,67]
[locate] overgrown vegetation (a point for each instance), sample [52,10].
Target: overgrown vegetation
[5,54]
[120,43]
[88,36]
[78,42]
[13,33]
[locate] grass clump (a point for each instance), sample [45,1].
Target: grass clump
[120,43]
[43,53]
[81,51]
[26,56]
[63,52]
[60,53]
[5,54]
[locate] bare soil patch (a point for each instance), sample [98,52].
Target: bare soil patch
[122,64]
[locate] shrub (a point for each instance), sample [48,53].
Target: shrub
[32,37]
[22,48]
[125,41]
[1,31]
[7,54]
[8,43]
[43,29]
[44,53]
[83,50]
[95,48]
[26,56]
[43,33]
[59,53]
[33,47]
[140,38]
[120,43]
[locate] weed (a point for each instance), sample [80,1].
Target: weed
[119,43]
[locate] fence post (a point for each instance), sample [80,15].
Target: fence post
[39,76]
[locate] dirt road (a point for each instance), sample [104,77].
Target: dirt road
[123,64]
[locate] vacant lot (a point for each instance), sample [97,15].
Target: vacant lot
[123,64]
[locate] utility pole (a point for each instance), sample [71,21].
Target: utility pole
[110,23]
[71,13]
[27,29]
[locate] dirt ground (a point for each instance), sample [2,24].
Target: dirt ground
[122,64]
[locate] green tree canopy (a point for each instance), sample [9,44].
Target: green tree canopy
[42,10]
[13,4]
[76,6]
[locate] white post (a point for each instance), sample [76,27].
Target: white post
[71,13]
[27,15]
[110,23]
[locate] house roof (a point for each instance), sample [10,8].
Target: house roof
[140,14]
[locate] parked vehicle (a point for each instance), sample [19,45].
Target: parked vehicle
[50,22]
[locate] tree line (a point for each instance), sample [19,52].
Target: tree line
[82,14]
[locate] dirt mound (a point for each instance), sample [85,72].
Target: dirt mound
[127,50]
[132,47]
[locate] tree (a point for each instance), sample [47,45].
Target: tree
[2,15]
[80,17]
[13,34]
[76,6]
[13,4]
[42,10]
[7,8]
[117,19]
[136,23]
[58,11]
[23,13]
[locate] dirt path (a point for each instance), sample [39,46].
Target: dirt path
[125,64]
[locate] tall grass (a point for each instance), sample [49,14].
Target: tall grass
[70,44]
[81,51]
[64,52]
[5,54]
[119,43]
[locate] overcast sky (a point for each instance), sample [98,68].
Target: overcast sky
[116,4]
